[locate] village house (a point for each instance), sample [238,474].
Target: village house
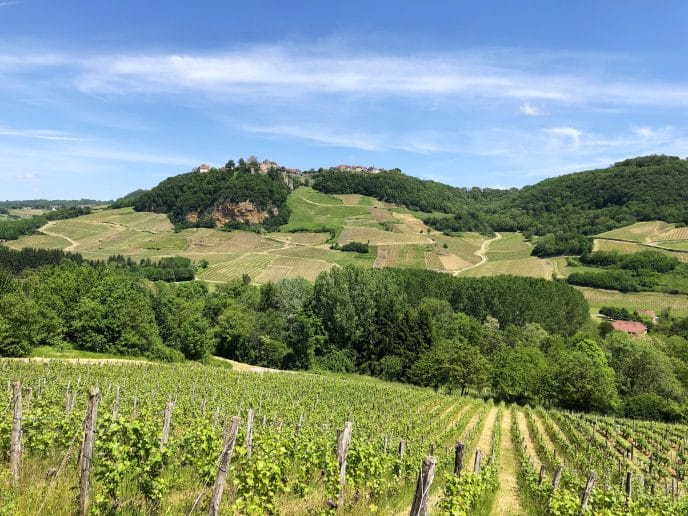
[203,168]
[630,327]
[651,314]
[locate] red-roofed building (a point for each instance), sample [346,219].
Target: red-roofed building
[630,327]
[651,314]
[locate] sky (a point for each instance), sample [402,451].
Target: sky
[100,98]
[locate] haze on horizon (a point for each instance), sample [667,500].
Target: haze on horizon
[99,99]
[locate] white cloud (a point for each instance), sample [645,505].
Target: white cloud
[568,132]
[39,134]
[531,110]
[278,72]
[27,176]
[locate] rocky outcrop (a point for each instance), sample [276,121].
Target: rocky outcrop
[244,211]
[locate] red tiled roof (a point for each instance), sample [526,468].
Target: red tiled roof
[629,326]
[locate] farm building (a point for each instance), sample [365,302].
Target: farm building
[651,314]
[630,327]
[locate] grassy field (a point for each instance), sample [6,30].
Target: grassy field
[681,245]
[646,232]
[251,264]
[636,301]
[533,267]
[632,247]
[512,246]
[312,210]
[40,241]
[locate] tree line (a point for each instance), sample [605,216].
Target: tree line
[518,339]
[642,271]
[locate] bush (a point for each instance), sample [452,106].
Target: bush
[355,247]
[652,406]
[620,280]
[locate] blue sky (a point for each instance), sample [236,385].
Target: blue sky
[100,98]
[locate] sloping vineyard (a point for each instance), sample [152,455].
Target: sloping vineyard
[185,439]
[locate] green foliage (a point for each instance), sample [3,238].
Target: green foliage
[13,229]
[588,203]
[562,243]
[352,247]
[27,258]
[612,279]
[24,325]
[116,316]
[453,365]
[618,314]
[583,380]
[201,194]
[129,200]
[393,186]
[170,269]
[520,375]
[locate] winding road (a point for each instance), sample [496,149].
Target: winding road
[480,253]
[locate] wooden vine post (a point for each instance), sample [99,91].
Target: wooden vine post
[629,479]
[343,444]
[588,491]
[166,425]
[15,442]
[86,455]
[115,405]
[425,477]
[476,463]
[225,458]
[557,478]
[249,433]
[459,450]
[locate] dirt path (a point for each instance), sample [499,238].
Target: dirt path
[484,443]
[44,229]
[507,500]
[480,253]
[237,366]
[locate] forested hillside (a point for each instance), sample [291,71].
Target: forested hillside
[394,187]
[644,188]
[235,197]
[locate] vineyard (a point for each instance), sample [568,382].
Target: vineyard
[183,439]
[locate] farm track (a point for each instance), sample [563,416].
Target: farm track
[480,253]
[484,442]
[236,366]
[73,243]
[507,500]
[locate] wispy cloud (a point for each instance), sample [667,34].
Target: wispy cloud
[27,176]
[531,110]
[5,4]
[568,132]
[39,134]
[278,72]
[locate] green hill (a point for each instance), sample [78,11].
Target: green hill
[234,197]
[591,202]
